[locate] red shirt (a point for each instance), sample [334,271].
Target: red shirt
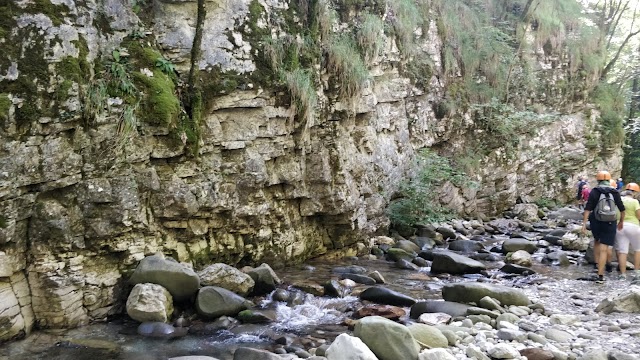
[585,193]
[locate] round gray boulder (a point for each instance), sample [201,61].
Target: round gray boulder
[213,302]
[467,292]
[228,277]
[149,303]
[181,281]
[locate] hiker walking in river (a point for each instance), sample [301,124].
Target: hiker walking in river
[600,210]
[582,182]
[629,236]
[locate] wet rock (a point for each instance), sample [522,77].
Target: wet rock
[387,339]
[557,258]
[382,295]
[223,322]
[385,311]
[436,354]
[432,306]
[473,291]
[472,310]
[265,279]
[395,254]
[282,295]
[511,335]
[160,330]
[520,258]
[572,241]
[407,246]
[474,352]
[628,301]
[516,269]
[452,263]
[465,246]
[427,254]
[245,353]
[406,265]
[149,303]
[377,277]
[508,317]
[420,262]
[515,244]
[360,279]
[428,336]
[346,347]
[553,240]
[193,357]
[351,269]
[423,243]
[256,316]
[178,279]
[537,354]
[309,287]
[485,257]
[447,233]
[227,277]
[332,288]
[434,318]
[213,301]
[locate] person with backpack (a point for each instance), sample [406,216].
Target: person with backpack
[582,181]
[619,184]
[585,195]
[630,234]
[600,210]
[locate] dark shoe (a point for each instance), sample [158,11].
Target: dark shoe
[600,279]
[608,267]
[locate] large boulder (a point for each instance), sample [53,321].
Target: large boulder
[265,279]
[452,263]
[228,277]
[467,292]
[387,339]
[627,301]
[428,336]
[435,306]
[213,302]
[526,212]
[515,244]
[407,246]
[382,295]
[180,280]
[346,347]
[149,302]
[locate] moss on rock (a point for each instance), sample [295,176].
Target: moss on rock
[160,105]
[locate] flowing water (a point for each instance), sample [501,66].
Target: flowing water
[316,321]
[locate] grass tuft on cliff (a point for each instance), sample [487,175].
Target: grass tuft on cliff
[345,62]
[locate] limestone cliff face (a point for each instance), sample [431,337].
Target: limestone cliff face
[79,206]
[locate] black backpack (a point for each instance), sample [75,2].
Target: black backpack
[605,209]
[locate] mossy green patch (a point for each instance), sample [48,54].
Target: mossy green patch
[160,105]
[54,12]
[5,104]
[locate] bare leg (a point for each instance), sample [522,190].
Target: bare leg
[602,250]
[636,260]
[622,261]
[596,251]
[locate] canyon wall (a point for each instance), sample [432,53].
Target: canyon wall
[81,204]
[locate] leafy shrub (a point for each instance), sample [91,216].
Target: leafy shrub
[417,201]
[611,104]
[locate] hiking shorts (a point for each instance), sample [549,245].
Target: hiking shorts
[604,232]
[628,237]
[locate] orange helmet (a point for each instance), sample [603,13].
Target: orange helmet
[632,186]
[603,175]
[613,183]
